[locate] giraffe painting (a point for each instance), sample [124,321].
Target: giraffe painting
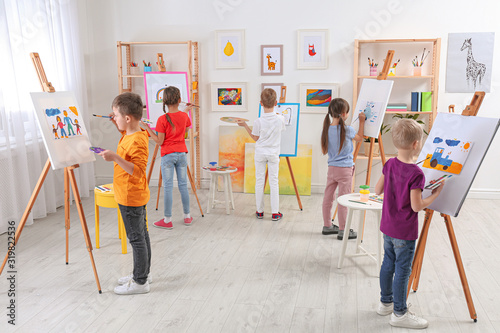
[271,66]
[474,71]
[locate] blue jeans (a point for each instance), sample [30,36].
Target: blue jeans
[134,220]
[395,272]
[169,162]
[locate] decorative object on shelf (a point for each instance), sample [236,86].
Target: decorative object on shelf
[271,57]
[230,49]
[376,148]
[155,83]
[392,70]
[160,62]
[315,97]
[229,96]
[312,49]
[469,63]
[373,67]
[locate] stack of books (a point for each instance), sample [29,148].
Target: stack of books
[397,107]
[421,101]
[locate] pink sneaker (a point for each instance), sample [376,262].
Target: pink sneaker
[188,220]
[162,224]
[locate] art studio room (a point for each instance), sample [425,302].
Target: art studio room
[214,166]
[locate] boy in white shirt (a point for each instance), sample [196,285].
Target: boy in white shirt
[267,134]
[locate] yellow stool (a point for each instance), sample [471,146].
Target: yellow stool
[107,200]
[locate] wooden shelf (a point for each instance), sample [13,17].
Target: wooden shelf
[398,77]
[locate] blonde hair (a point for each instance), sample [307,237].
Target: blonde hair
[268,98]
[337,107]
[405,132]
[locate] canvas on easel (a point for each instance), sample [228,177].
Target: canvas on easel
[470,137]
[63,130]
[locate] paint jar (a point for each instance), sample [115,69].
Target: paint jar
[213,166]
[147,68]
[364,193]
[373,71]
[417,71]
[135,70]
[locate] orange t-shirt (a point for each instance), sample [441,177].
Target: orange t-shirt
[174,142]
[132,189]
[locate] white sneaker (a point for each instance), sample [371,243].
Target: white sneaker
[385,309]
[132,288]
[126,279]
[408,320]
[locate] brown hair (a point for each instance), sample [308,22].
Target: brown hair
[171,96]
[128,104]
[405,132]
[268,98]
[337,107]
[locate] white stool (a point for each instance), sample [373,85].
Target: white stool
[369,206]
[226,183]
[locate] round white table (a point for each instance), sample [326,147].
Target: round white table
[352,202]
[226,184]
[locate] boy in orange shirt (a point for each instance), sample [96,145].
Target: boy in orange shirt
[131,188]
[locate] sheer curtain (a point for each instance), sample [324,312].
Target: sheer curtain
[49,27]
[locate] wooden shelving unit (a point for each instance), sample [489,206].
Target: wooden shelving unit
[406,50]
[125,80]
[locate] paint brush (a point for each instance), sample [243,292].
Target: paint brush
[425,159]
[98,115]
[195,106]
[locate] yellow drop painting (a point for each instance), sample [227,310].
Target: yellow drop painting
[301,166]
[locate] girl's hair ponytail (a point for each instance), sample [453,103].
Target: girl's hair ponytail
[171,96]
[337,107]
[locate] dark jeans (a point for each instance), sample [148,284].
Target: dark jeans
[134,219]
[395,271]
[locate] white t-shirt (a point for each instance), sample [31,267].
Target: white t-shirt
[268,128]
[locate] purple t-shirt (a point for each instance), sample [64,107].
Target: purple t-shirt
[398,219]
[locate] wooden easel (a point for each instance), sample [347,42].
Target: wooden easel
[283,100]
[160,62]
[470,110]
[69,178]
[381,76]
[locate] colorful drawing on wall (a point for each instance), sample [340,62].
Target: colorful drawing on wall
[469,63]
[301,166]
[155,83]
[230,48]
[448,155]
[312,49]
[62,127]
[63,124]
[271,59]
[229,96]
[318,97]
[232,141]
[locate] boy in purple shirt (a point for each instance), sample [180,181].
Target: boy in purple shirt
[402,182]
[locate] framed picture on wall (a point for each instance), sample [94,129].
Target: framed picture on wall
[315,97]
[230,49]
[271,57]
[312,49]
[274,86]
[231,96]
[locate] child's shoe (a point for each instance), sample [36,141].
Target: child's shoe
[352,235]
[162,224]
[132,288]
[188,220]
[277,216]
[408,320]
[126,279]
[385,309]
[259,215]
[333,229]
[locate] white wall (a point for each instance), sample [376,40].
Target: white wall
[277,22]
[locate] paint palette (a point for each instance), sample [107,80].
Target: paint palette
[233,119]
[436,182]
[96,150]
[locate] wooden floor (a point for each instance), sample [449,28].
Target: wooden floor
[234,273]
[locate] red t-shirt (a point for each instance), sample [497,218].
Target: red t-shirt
[174,140]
